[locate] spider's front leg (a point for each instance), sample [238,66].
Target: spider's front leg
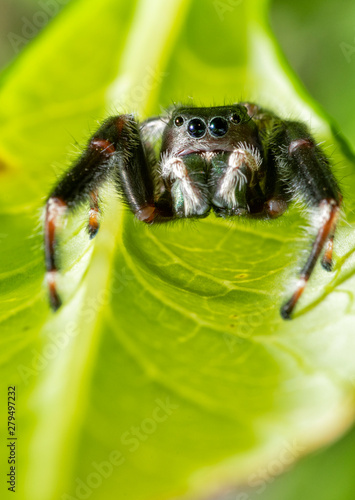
[306,170]
[115,151]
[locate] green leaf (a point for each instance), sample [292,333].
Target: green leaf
[169,361]
[326,475]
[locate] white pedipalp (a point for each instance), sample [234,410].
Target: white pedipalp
[233,177]
[173,169]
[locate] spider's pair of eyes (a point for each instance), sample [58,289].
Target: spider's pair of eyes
[218,126]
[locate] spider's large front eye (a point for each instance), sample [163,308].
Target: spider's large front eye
[196,128]
[179,121]
[218,126]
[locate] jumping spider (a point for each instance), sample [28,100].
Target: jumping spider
[239,160]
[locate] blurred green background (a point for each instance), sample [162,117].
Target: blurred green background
[315,36]
[17,20]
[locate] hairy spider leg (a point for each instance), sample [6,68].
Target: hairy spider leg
[152,128]
[327,260]
[329,211]
[55,210]
[115,150]
[94,214]
[306,171]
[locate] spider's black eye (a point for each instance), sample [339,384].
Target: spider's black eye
[179,121]
[196,128]
[218,126]
[235,118]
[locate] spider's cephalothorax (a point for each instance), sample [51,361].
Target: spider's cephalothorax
[236,160]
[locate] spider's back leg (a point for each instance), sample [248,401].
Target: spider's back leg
[306,173]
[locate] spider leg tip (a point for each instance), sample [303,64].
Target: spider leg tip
[55,302]
[92,231]
[327,265]
[54,299]
[286,311]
